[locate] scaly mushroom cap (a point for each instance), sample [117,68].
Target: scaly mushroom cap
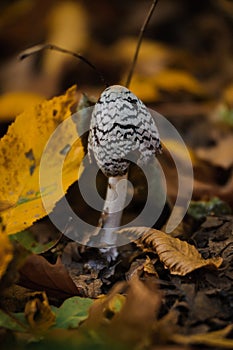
[121,126]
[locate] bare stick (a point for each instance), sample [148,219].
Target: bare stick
[37,48]
[148,17]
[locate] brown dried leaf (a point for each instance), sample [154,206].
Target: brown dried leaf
[38,274]
[178,256]
[219,155]
[132,324]
[125,320]
[142,267]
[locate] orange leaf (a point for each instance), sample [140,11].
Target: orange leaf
[178,256]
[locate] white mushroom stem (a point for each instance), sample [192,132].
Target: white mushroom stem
[113,208]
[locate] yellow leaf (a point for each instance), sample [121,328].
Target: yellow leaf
[144,88]
[14,103]
[148,87]
[20,154]
[153,55]
[228,95]
[178,256]
[6,253]
[176,80]
[67,27]
[38,313]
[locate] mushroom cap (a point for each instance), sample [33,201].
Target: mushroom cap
[121,130]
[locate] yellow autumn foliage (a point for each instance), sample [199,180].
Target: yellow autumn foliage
[148,87]
[175,80]
[14,103]
[20,154]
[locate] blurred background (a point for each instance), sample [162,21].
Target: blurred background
[184,71]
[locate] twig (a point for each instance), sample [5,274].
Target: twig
[37,48]
[142,30]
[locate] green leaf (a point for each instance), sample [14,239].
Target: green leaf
[72,312]
[200,209]
[28,241]
[226,115]
[14,322]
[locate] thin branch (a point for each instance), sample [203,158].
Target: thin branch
[148,17]
[37,48]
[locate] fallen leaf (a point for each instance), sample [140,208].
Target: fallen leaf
[228,95]
[39,316]
[14,103]
[178,256]
[140,267]
[72,312]
[178,80]
[14,322]
[29,242]
[67,27]
[223,116]
[149,88]
[153,55]
[38,274]
[201,209]
[38,313]
[144,88]
[6,253]
[219,155]
[206,184]
[20,154]
[125,320]
[217,339]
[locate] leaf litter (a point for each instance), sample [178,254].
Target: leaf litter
[164,291]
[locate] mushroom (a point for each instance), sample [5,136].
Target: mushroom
[121,129]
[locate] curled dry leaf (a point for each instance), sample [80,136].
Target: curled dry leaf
[39,314]
[178,256]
